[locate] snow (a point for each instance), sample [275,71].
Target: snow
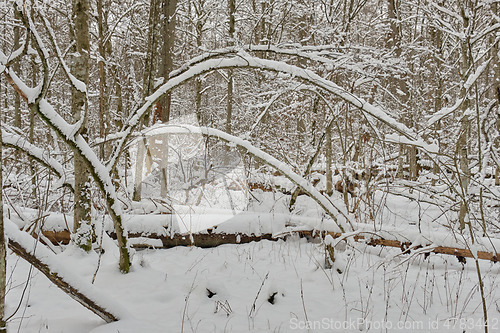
[167,291]
[34,31]
[471,79]
[444,112]
[69,131]
[16,53]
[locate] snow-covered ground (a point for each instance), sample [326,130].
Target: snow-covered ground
[280,286]
[262,287]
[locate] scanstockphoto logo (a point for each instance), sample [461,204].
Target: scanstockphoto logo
[203,175]
[450,324]
[358,324]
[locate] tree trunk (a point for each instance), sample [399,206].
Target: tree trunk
[139,167]
[148,86]
[199,25]
[80,69]
[309,166]
[17,68]
[394,41]
[103,105]
[329,160]
[169,7]
[31,134]
[462,146]
[436,36]
[229,105]
[496,85]
[3,263]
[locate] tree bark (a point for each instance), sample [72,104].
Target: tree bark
[394,41]
[329,160]
[199,26]
[309,166]
[437,41]
[229,105]
[212,238]
[31,133]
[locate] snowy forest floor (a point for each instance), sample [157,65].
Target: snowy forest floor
[263,287]
[266,286]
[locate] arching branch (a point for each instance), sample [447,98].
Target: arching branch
[243,60]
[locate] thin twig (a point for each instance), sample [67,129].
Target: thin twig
[252,309]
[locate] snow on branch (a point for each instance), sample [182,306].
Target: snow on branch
[338,214]
[471,79]
[17,54]
[68,133]
[42,51]
[42,156]
[326,55]
[430,148]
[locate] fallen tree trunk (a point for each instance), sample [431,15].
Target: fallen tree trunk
[22,244]
[407,246]
[213,239]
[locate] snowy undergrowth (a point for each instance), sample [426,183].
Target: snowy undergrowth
[262,287]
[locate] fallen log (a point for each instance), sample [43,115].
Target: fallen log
[212,239]
[405,246]
[22,244]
